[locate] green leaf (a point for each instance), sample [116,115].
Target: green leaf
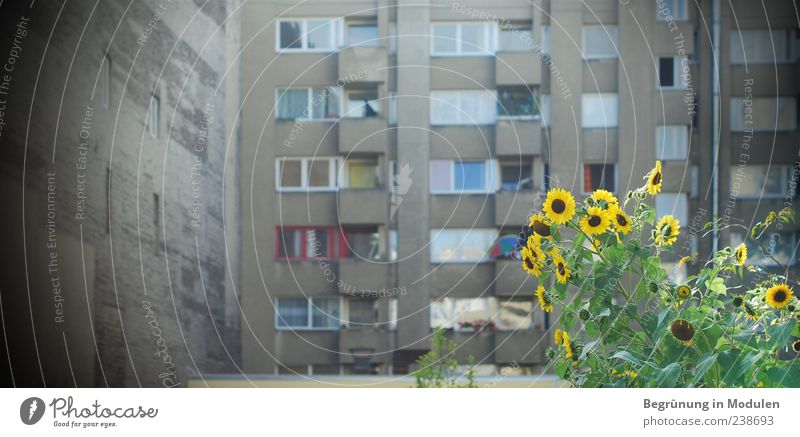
[780,334]
[668,376]
[588,348]
[717,286]
[702,368]
[785,376]
[627,356]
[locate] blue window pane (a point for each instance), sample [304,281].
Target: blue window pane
[470,176]
[293,312]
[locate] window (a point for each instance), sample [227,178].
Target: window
[676,273]
[306,174]
[364,243]
[515,37]
[362,103]
[672,142]
[517,102]
[673,10]
[472,38]
[152,119]
[457,177]
[778,246]
[544,109]
[361,173]
[599,110]
[546,40]
[105,82]
[757,181]
[600,42]
[674,204]
[762,46]
[362,312]
[515,315]
[461,245]
[671,72]
[309,103]
[516,175]
[461,313]
[463,107]
[599,176]
[392,313]
[311,35]
[307,313]
[309,243]
[362,34]
[763,114]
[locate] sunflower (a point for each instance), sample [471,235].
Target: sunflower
[683,331]
[559,206]
[558,337]
[544,302]
[685,259]
[796,346]
[750,312]
[540,225]
[604,196]
[654,179]
[532,260]
[667,230]
[595,222]
[620,220]
[778,296]
[562,271]
[567,344]
[684,291]
[741,254]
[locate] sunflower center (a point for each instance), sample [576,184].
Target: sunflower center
[779,296]
[558,206]
[796,346]
[528,262]
[682,330]
[561,270]
[657,178]
[541,228]
[622,220]
[594,221]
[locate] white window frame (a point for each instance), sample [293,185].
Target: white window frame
[615,176]
[490,30]
[491,170]
[681,82]
[680,142]
[334,168]
[738,56]
[337,35]
[684,9]
[786,172]
[310,308]
[279,91]
[612,30]
[485,258]
[610,115]
[515,29]
[153,112]
[461,116]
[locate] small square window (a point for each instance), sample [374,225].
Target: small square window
[362,34]
[516,176]
[517,102]
[152,124]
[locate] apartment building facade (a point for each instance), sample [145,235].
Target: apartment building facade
[392,151]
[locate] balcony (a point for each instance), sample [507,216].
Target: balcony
[362,206]
[370,341]
[303,278]
[511,279]
[462,279]
[518,137]
[306,208]
[512,208]
[363,135]
[363,64]
[517,68]
[358,277]
[477,344]
[522,347]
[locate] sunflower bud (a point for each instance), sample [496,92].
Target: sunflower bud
[550,353]
[584,314]
[790,308]
[653,287]
[737,301]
